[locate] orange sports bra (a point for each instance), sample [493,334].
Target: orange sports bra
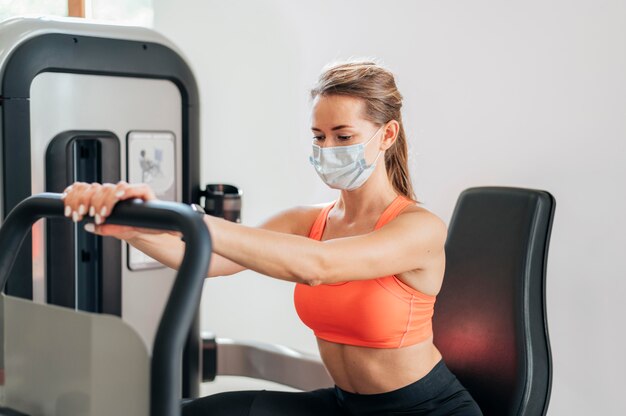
[380,313]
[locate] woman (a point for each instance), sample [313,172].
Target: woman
[367,267]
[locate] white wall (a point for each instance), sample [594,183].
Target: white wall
[529,94]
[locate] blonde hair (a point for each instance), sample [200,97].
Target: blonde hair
[376,86]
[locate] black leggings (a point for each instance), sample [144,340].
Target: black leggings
[439,393]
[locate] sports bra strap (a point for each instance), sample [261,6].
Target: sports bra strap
[392,211]
[318,226]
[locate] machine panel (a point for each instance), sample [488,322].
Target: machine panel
[62,102]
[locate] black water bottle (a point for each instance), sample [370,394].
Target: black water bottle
[222,200]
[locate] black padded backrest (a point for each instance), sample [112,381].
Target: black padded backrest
[490,321]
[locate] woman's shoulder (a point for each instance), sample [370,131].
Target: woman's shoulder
[296,220]
[422,218]
[305,216]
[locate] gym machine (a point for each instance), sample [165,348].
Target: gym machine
[61,361]
[95,102]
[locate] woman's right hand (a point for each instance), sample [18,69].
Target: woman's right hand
[97,201]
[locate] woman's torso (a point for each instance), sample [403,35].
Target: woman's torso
[368,370]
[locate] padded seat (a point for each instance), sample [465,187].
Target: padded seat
[490,316]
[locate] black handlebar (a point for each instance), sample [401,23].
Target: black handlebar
[184,298]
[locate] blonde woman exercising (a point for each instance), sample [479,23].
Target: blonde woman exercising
[367,267]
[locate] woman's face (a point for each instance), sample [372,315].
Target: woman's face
[338,120]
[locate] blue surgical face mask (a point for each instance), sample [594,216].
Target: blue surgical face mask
[343,167]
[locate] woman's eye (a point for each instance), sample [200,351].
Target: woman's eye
[344,137]
[318,138]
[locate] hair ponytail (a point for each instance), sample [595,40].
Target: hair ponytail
[396,161]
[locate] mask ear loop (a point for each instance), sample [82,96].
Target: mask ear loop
[375,134]
[380,152]
[363,165]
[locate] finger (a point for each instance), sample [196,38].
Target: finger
[114,194]
[140,190]
[120,189]
[65,191]
[95,188]
[84,200]
[108,198]
[108,195]
[103,201]
[72,199]
[92,228]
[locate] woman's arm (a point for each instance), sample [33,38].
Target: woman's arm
[281,249]
[409,242]
[97,201]
[168,250]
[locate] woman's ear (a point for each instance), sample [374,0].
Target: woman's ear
[390,133]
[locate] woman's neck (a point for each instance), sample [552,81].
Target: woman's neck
[369,199]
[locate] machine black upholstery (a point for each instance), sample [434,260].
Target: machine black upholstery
[490,316]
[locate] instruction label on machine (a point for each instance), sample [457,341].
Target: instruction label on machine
[151,159]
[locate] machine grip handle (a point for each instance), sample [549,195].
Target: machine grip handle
[184,299]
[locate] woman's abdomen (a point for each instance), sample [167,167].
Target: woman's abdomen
[367,370]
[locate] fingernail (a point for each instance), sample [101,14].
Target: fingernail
[98,219]
[75,216]
[103,211]
[90,228]
[92,211]
[63,195]
[120,193]
[81,209]
[68,210]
